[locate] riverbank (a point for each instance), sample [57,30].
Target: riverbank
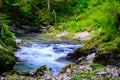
[107,52]
[86,50]
[105,47]
[85,68]
[7,47]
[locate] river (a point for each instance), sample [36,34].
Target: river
[38,52]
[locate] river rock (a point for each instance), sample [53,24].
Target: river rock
[26,29]
[28,73]
[108,58]
[19,61]
[43,73]
[63,34]
[78,53]
[82,35]
[18,41]
[87,72]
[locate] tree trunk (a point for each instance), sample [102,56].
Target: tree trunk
[48,4]
[2,32]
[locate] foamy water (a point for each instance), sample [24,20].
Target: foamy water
[38,55]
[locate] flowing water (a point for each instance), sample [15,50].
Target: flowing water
[40,52]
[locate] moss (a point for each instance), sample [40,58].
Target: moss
[42,68]
[2,43]
[97,66]
[7,60]
[8,45]
[91,76]
[11,42]
[66,67]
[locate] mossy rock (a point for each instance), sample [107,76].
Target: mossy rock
[43,72]
[40,70]
[64,69]
[7,61]
[10,42]
[81,52]
[7,46]
[44,67]
[109,58]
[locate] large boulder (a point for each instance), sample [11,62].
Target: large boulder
[43,73]
[109,58]
[7,57]
[22,30]
[80,52]
[7,47]
[7,60]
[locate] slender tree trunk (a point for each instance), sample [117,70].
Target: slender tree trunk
[55,17]
[48,2]
[2,32]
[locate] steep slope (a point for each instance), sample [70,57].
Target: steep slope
[102,19]
[7,46]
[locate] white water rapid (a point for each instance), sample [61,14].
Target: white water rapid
[38,54]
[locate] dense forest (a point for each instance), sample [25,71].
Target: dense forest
[101,18]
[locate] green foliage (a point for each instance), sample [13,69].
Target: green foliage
[100,16]
[81,6]
[96,66]
[35,12]
[93,15]
[44,67]
[88,13]
[82,76]
[4,20]
[7,38]
[7,46]
[7,32]
[7,60]
[76,77]
[117,41]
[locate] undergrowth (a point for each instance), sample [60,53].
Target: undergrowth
[101,17]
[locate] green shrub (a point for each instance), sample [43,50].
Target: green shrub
[7,32]
[83,76]
[97,66]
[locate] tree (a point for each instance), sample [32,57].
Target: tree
[2,31]
[48,2]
